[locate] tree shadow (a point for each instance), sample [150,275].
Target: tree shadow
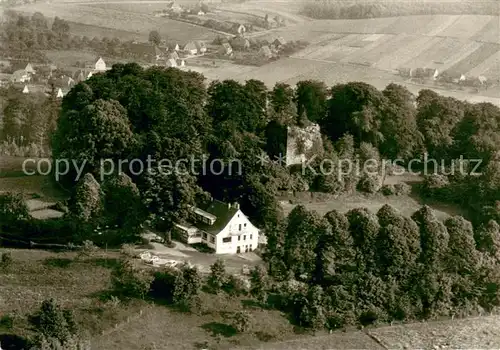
[13,342]
[264,336]
[251,304]
[108,263]
[217,328]
[202,345]
[62,263]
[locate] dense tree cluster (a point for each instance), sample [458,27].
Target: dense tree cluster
[27,122]
[362,267]
[129,112]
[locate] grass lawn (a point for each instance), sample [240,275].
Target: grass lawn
[39,275]
[13,179]
[80,285]
[407,204]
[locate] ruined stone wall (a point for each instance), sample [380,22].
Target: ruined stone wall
[302,143]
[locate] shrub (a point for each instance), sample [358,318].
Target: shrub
[128,251]
[236,285]
[434,185]
[13,208]
[163,285]
[242,321]
[218,276]
[6,322]
[53,322]
[369,184]
[88,249]
[259,284]
[49,343]
[388,190]
[130,281]
[402,189]
[6,260]
[187,287]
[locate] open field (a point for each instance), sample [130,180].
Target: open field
[13,179]
[481,54]
[121,20]
[92,31]
[69,57]
[82,285]
[288,10]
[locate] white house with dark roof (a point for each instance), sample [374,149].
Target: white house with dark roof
[221,226]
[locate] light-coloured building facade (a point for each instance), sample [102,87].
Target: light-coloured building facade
[222,227]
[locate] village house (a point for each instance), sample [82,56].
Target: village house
[29,69]
[79,75]
[146,52]
[191,48]
[404,72]
[175,8]
[240,43]
[4,79]
[26,90]
[201,47]
[270,22]
[239,28]
[226,49]
[174,55]
[171,63]
[279,42]
[100,65]
[20,76]
[265,51]
[221,226]
[418,73]
[59,93]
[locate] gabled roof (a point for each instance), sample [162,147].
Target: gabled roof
[265,50]
[222,211]
[240,41]
[190,46]
[171,62]
[174,55]
[227,46]
[279,40]
[29,68]
[18,74]
[158,51]
[200,45]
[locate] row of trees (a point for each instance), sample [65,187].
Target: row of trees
[365,267]
[328,9]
